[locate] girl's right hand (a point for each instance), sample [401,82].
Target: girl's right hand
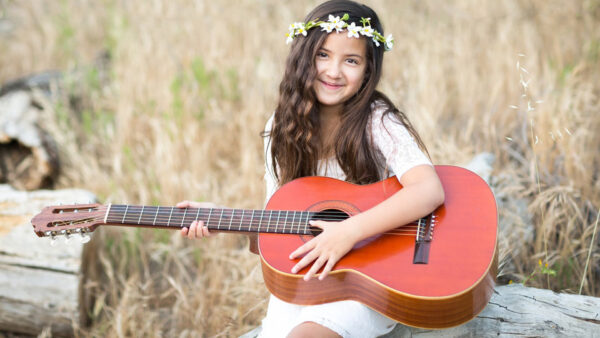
[197,228]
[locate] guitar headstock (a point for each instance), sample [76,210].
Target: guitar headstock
[68,220]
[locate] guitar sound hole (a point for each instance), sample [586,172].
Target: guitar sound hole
[329,215]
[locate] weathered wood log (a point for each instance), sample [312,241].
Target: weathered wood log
[28,155]
[39,283]
[516,310]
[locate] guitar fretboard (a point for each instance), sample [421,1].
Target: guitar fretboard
[238,220]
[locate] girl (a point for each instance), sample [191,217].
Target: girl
[331,121]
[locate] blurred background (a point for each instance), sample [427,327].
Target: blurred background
[154,102]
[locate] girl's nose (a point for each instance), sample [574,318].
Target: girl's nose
[333,70]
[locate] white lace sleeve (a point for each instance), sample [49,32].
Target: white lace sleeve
[270,180]
[399,149]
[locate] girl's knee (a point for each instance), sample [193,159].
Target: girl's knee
[312,329]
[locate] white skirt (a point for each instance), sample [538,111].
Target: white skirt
[347,318]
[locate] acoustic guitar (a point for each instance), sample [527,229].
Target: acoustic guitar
[437,272]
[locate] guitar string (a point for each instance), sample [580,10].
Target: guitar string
[248,227]
[228,213]
[167,210]
[408,229]
[253,222]
[400,231]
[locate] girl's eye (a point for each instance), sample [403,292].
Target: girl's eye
[322,54]
[352,61]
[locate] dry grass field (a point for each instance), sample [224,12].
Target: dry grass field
[178,111]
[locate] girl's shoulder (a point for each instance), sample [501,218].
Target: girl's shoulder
[382,115]
[269,124]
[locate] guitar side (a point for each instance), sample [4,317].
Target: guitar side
[455,284]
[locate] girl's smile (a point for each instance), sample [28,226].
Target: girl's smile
[331,86]
[341,64]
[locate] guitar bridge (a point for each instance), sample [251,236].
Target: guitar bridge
[423,239]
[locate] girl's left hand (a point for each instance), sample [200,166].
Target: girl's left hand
[327,248]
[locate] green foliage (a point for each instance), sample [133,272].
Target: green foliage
[162,236]
[543,269]
[196,85]
[203,77]
[177,104]
[593,50]
[66,31]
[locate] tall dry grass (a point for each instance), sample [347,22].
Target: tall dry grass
[178,113]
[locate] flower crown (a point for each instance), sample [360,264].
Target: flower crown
[301,28]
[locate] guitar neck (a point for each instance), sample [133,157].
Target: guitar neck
[235,220]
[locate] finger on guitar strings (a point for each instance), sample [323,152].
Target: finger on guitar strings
[196,230]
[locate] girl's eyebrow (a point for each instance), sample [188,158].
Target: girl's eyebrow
[328,51]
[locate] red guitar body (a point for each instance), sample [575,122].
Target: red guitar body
[453,286]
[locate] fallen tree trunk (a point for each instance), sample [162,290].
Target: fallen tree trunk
[28,155]
[39,284]
[516,310]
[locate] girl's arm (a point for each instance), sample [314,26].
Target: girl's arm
[422,193]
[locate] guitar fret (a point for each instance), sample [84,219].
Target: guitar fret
[197,214]
[278,217]
[208,218]
[293,217]
[141,213]
[287,214]
[220,218]
[261,219]
[125,214]
[183,218]
[306,223]
[241,220]
[231,219]
[156,215]
[269,222]
[169,220]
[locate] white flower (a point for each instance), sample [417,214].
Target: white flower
[367,30]
[301,29]
[375,41]
[336,23]
[353,30]
[290,38]
[327,26]
[389,42]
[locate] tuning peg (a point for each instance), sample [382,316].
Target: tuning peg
[84,236]
[53,240]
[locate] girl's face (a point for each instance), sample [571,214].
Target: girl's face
[341,64]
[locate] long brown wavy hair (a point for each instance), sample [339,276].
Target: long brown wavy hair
[294,135]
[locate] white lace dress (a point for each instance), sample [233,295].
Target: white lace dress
[398,150]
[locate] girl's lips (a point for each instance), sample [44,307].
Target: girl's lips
[330,85]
